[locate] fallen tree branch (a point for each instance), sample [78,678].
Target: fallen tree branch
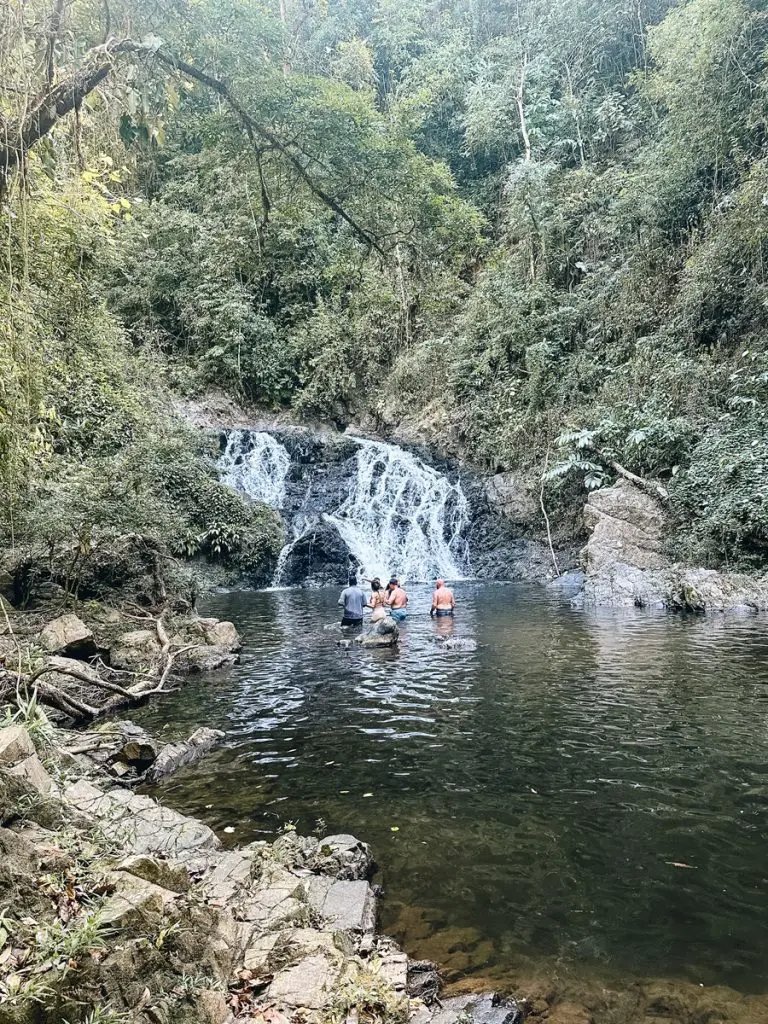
[546,517]
[65,702]
[19,656]
[85,675]
[649,486]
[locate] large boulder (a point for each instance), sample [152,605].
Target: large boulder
[617,585]
[627,526]
[32,770]
[69,635]
[136,650]
[216,633]
[15,745]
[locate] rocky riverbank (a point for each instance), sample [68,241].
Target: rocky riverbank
[117,909]
[88,665]
[626,564]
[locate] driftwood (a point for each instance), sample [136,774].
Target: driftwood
[84,673]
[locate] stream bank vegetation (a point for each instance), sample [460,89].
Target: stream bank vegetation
[529,233]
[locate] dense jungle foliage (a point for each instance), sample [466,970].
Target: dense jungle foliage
[532,231]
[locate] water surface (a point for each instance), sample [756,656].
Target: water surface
[587,791]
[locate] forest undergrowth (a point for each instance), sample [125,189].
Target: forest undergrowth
[533,231]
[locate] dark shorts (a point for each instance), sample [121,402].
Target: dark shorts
[440,612]
[352,622]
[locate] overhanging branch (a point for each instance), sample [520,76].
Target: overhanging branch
[67,96]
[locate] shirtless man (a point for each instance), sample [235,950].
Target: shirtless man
[443,601]
[397,600]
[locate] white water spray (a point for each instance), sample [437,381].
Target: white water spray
[256,464]
[399,516]
[402,517]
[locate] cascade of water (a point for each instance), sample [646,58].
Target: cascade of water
[256,464]
[403,517]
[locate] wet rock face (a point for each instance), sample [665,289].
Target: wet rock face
[510,498]
[320,558]
[502,513]
[627,526]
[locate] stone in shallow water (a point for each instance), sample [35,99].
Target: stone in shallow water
[486,1009]
[175,755]
[343,857]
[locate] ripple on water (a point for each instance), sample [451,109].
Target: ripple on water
[544,785]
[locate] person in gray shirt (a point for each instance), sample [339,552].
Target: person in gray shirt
[353,600]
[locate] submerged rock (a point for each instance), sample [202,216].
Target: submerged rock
[457,643]
[175,755]
[485,1009]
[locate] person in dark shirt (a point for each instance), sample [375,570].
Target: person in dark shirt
[352,600]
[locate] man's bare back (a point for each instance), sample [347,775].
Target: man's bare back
[443,600]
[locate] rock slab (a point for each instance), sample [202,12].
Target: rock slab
[627,526]
[15,745]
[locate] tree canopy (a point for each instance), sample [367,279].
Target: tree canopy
[529,229]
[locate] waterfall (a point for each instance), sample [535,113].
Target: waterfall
[394,513]
[403,517]
[256,464]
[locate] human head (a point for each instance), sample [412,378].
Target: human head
[375,584]
[394,582]
[352,580]
[439,583]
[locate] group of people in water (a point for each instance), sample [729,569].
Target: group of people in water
[390,600]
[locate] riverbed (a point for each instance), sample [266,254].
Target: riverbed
[584,794]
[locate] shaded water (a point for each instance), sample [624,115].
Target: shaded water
[543,787]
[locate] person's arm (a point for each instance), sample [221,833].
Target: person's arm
[453,600]
[341,599]
[433,609]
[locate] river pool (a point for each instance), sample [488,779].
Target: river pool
[583,792]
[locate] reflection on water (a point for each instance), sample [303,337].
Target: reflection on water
[547,788]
